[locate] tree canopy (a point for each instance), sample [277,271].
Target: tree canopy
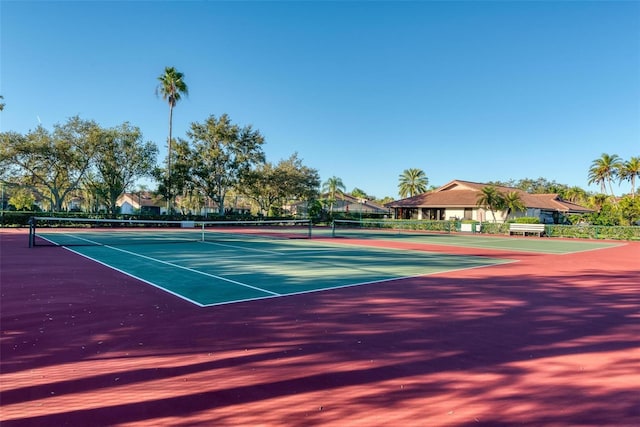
[52,164]
[604,170]
[77,154]
[412,182]
[223,153]
[121,157]
[490,198]
[272,186]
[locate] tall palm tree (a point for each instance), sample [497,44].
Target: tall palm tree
[333,186]
[629,171]
[412,182]
[1,103]
[171,87]
[604,170]
[490,198]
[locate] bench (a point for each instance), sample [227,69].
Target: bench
[526,228]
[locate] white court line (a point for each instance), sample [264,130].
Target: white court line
[126,273]
[350,285]
[240,247]
[183,268]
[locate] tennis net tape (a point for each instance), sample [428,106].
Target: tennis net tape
[57,231]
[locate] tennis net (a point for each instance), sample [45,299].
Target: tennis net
[385,228]
[48,231]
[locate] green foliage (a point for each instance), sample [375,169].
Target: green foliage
[360,194]
[22,199]
[15,218]
[629,208]
[533,186]
[409,225]
[412,182]
[607,215]
[172,88]
[274,186]
[574,195]
[492,199]
[527,220]
[52,163]
[121,157]
[314,209]
[223,155]
[513,202]
[629,171]
[334,187]
[594,232]
[604,169]
[495,228]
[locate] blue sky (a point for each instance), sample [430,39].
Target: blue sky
[479,91]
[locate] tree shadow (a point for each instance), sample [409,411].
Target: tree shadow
[488,339]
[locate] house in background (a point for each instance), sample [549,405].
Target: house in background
[459,200]
[343,204]
[347,204]
[143,202]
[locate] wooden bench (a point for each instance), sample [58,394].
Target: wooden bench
[526,228]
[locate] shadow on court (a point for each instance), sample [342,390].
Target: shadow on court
[549,340]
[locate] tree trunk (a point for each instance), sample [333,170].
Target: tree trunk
[169,147]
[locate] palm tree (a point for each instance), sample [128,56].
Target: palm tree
[597,201]
[513,202]
[629,171]
[1,103]
[412,182]
[171,87]
[603,170]
[490,198]
[359,194]
[333,186]
[575,194]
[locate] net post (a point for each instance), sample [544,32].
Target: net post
[202,237]
[333,228]
[309,235]
[32,231]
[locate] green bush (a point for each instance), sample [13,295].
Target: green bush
[594,232]
[15,218]
[495,228]
[527,220]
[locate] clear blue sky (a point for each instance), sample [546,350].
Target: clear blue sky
[479,91]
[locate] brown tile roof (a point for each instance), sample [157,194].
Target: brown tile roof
[357,203]
[140,199]
[553,202]
[459,193]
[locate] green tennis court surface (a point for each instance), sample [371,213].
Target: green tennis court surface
[516,244]
[232,269]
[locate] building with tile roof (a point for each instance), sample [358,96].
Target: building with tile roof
[142,202]
[459,200]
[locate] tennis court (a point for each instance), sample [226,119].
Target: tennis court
[372,230]
[233,261]
[241,265]
[443,329]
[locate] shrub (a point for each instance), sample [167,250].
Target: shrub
[528,220]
